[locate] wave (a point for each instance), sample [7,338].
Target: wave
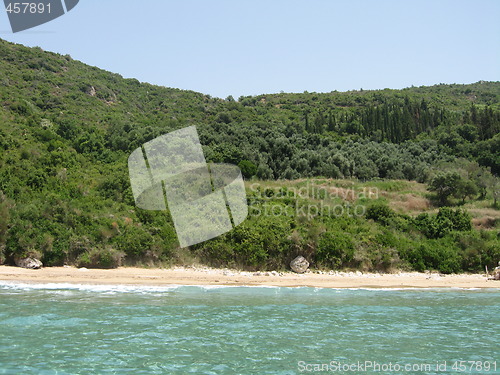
[123,288]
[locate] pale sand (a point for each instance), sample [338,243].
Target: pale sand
[210,276]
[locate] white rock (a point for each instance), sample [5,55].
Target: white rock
[30,263]
[299,264]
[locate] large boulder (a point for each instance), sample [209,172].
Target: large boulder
[299,264]
[30,263]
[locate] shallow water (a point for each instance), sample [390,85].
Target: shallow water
[76,329]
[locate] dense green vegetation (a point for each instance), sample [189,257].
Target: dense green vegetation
[66,130]
[347,224]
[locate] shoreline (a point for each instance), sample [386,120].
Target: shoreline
[202,276]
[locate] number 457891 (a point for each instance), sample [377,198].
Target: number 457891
[474,366]
[25,8]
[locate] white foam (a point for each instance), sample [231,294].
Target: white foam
[102,288]
[121,288]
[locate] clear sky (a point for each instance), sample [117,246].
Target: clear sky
[250,47]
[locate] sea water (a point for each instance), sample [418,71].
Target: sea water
[77,329]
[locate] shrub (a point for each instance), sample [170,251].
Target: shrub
[478,250]
[385,259]
[335,250]
[248,169]
[259,243]
[379,252]
[444,222]
[101,258]
[380,213]
[4,221]
[386,238]
[20,108]
[438,255]
[77,247]
[248,247]
[460,219]
[134,241]
[216,253]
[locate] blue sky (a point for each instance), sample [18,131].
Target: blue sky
[250,47]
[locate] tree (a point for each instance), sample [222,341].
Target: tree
[466,188]
[332,124]
[468,132]
[248,168]
[481,177]
[445,185]
[264,172]
[495,190]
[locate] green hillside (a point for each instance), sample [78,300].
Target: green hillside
[66,130]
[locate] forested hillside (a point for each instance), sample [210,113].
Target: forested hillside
[66,130]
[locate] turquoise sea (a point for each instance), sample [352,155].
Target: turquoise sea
[77,329]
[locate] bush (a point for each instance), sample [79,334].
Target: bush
[134,241]
[446,221]
[460,219]
[429,226]
[216,253]
[77,247]
[335,250]
[440,255]
[384,259]
[262,243]
[379,251]
[248,169]
[101,258]
[478,251]
[380,213]
[4,221]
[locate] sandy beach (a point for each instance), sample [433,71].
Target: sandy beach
[210,276]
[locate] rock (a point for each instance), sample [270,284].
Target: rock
[92,91]
[299,264]
[30,263]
